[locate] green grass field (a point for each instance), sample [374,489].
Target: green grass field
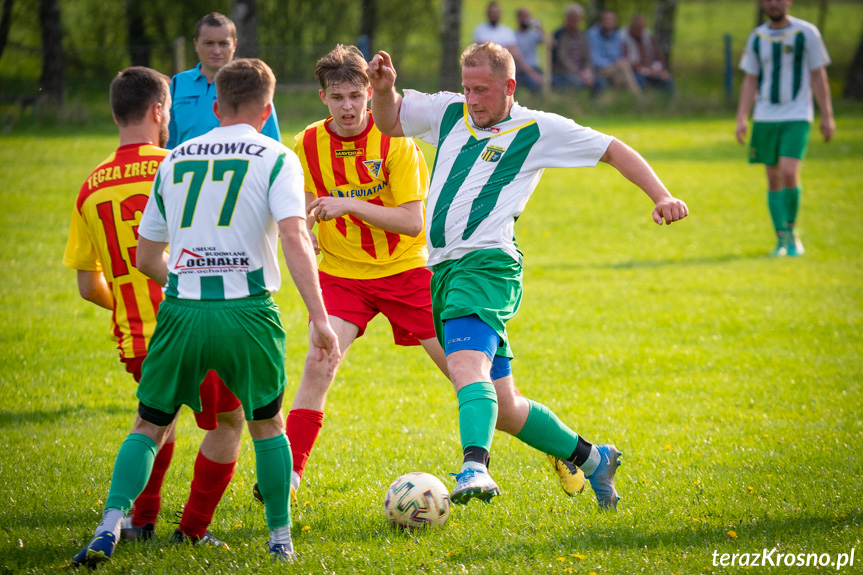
[731,381]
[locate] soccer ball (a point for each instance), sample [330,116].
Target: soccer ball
[417,500]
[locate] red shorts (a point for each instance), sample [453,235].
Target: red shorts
[404,299]
[215,395]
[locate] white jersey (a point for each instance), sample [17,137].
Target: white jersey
[483,178]
[783,59]
[499,34]
[216,200]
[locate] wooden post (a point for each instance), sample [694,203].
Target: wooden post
[179,54]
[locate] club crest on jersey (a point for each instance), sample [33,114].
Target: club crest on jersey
[374,167]
[493,153]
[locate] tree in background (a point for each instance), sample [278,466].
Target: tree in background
[53,60]
[854,82]
[368,26]
[245,17]
[139,45]
[663,29]
[5,24]
[450,74]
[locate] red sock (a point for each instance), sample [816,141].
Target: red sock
[208,485]
[303,427]
[147,505]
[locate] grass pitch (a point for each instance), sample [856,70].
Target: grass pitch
[731,381]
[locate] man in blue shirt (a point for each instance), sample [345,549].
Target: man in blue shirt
[193,91]
[606,53]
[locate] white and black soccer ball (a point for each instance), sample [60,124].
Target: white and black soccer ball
[417,499]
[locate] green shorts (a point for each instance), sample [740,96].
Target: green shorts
[241,339]
[486,283]
[774,140]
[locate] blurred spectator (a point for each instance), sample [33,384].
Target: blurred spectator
[606,52]
[529,36]
[493,31]
[642,51]
[570,63]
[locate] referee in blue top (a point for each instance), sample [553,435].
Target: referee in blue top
[193,91]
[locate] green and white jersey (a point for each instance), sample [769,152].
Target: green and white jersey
[782,59]
[216,200]
[483,178]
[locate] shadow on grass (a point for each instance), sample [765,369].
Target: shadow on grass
[647,264]
[697,542]
[83,412]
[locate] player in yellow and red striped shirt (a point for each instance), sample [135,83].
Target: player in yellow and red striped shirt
[102,245]
[366,192]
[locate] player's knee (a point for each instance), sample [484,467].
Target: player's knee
[233,419]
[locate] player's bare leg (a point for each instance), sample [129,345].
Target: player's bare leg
[436,353]
[306,417]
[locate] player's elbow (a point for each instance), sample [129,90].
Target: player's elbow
[148,268]
[88,293]
[413,228]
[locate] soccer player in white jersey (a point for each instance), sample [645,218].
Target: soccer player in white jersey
[220,200]
[785,64]
[491,153]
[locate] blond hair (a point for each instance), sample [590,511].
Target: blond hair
[244,82]
[496,56]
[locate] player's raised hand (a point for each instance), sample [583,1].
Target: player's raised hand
[671,210]
[326,345]
[382,73]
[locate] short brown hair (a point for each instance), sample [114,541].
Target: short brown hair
[134,90]
[495,55]
[244,82]
[216,20]
[344,64]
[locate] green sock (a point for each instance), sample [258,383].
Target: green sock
[791,197]
[273,462]
[776,203]
[477,414]
[131,471]
[545,432]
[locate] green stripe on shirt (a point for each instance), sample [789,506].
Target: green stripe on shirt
[505,172]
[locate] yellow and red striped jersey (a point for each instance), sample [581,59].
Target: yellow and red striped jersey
[103,237]
[374,168]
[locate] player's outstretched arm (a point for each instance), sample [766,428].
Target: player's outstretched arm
[636,169]
[405,219]
[300,258]
[747,100]
[93,288]
[152,260]
[386,102]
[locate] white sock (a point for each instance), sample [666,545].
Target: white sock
[475,466]
[282,536]
[111,519]
[593,460]
[295,480]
